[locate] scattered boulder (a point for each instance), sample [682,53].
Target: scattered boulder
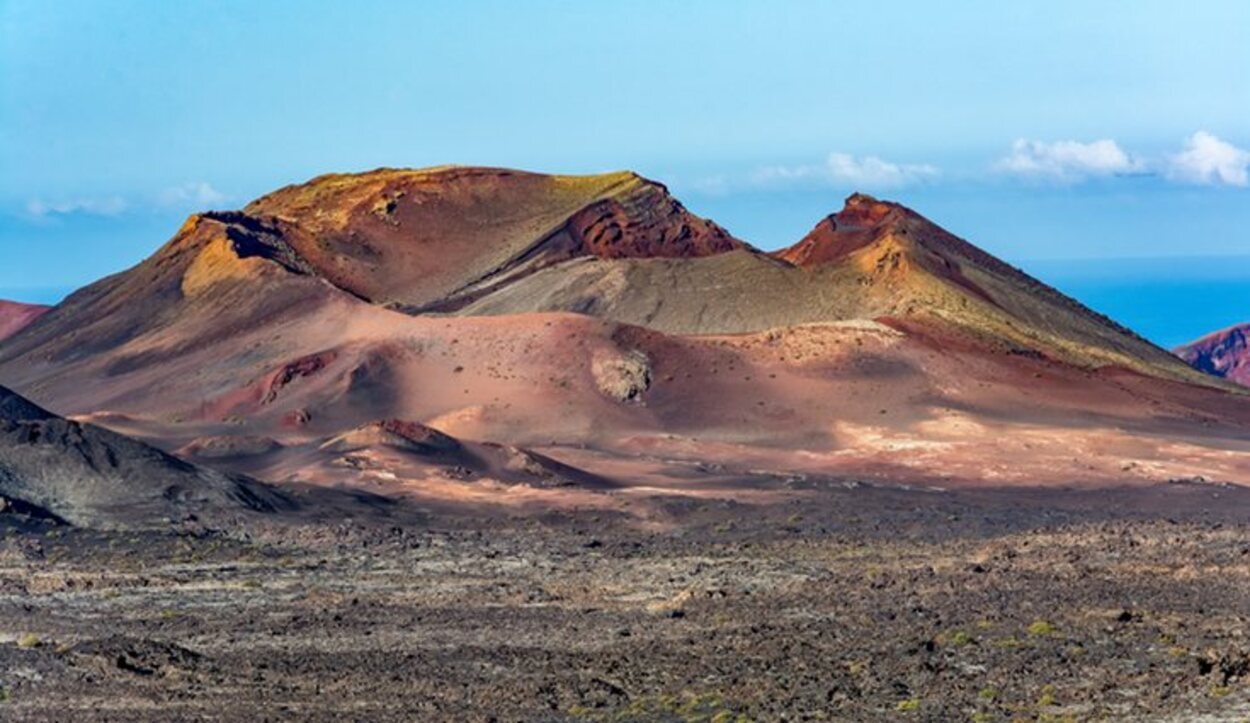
[624,377]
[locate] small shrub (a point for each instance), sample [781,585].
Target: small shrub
[906,706]
[28,641]
[1047,698]
[988,693]
[959,639]
[1039,628]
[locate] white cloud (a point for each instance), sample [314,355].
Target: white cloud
[1068,161]
[110,206]
[846,169]
[1204,159]
[1208,160]
[873,172]
[197,193]
[717,185]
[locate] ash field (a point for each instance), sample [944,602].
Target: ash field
[846,603]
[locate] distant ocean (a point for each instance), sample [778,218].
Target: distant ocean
[35,294]
[1170,301]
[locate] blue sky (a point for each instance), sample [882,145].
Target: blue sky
[1059,135]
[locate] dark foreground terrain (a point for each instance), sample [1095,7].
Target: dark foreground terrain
[855,603]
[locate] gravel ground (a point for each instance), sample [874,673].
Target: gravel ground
[852,604]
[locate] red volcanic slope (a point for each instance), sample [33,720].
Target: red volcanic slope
[15,316]
[1224,353]
[861,222]
[433,237]
[865,222]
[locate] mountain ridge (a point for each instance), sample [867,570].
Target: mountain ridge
[539,243]
[569,317]
[384,240]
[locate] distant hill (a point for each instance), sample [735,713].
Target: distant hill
[1225,353]
[15,316]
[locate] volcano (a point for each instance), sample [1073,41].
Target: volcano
[594,330]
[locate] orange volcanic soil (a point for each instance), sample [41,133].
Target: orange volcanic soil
[481,334]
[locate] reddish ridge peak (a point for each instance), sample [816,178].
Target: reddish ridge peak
[646,222]
[863,211]
[862,221]
[866,222]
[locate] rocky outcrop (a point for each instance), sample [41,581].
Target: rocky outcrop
[623,377]
[92,477]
